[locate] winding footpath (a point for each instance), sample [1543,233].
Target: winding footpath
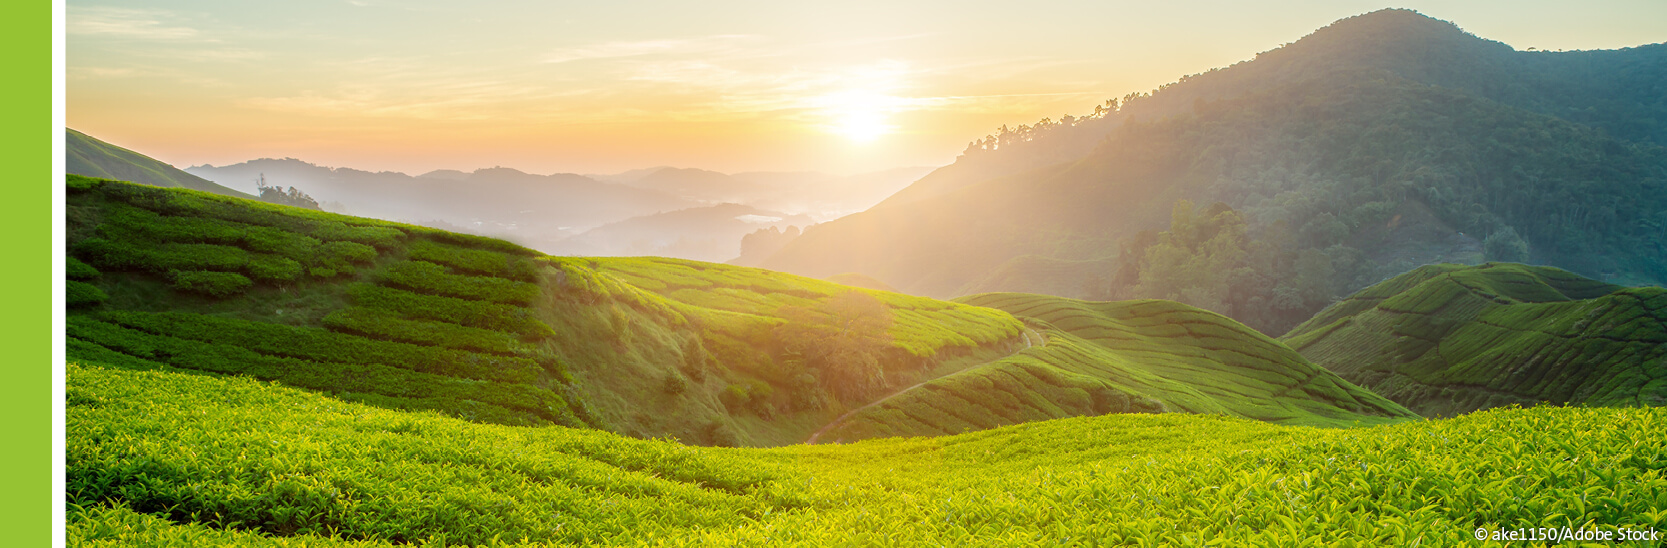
[1026,334]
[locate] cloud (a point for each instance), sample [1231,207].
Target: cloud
[678,46]
[129,23]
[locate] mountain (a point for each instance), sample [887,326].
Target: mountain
[1094,358]
[84,155]
[1449,339]
[1365,149]
[536,210]
[711,233]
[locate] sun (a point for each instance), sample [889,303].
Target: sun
[860,116]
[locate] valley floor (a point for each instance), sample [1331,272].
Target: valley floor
[164,458]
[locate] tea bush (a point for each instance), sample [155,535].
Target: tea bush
[77,293]
[484,315]
[432,278]
[217,284]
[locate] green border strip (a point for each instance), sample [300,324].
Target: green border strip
[26,116]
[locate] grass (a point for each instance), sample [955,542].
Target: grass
[1449,339]
[162,458]
[1124,357]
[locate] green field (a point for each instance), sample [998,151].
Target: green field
[1121,357]
[1448,339]
[174,459]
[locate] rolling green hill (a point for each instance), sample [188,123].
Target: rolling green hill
[409,317]
[1449,339]
[1120,357]
[84,155]
[170,459]
[1374,145]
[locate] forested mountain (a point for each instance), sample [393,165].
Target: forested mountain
[84,155]
[1374,145]
[1445,340]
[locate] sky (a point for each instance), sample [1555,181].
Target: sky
[603,87]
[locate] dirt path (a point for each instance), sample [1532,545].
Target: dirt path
[1027,334]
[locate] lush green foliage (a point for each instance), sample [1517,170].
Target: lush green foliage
[231,461]
[322,345]
[1446,339]
[208,282]
[77,293]
[525,404]
[478,261]
[464,312]
[389,325]
[74,269]
[469,358]
[1122,357]
[432,278]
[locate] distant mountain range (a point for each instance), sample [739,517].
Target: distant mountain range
[554,212]
[1372,146]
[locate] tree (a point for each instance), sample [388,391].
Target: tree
[284,196]
[841,341]
[1505,246]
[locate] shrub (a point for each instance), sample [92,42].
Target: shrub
[490,263]
[675,384]
[324,345]
[160,258]
[321,272]
[82,183]
[386,325]
[485,315]
[432,278]
[83,294]
[74,269]
[326,376]
[217,284]
[265,239]
[273,268]
[343,255]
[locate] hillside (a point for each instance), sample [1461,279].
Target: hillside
[1119,357]
[414,318]
[161,458]
[409,317]
[1374,145]
[1449,339]
[84,155]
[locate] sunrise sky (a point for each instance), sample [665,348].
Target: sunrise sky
[600,87]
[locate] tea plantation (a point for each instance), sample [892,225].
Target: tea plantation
[158,458]
[413,318]
[1449,339]
[1120,357]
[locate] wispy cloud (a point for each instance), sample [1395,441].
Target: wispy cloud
[129,23]
[706,45]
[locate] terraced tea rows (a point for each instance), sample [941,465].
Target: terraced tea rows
[359,325]
[1450,339]
[1120,357]
[158,458]
[416,318]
